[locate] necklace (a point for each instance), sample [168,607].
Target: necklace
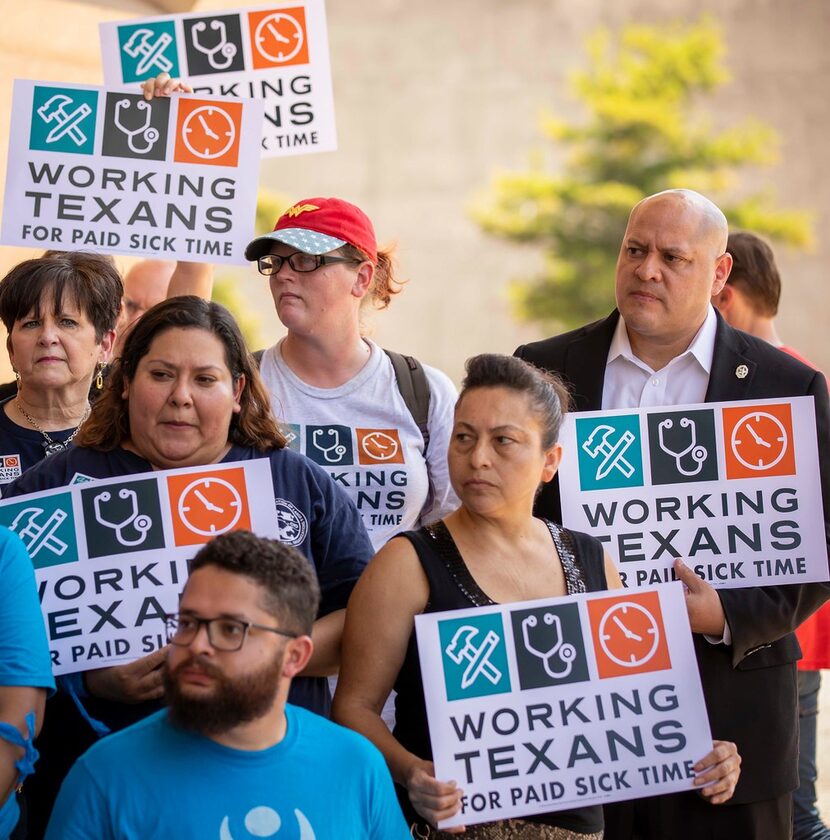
[51,446]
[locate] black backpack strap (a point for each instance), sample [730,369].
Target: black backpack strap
[257,354]
[414,388]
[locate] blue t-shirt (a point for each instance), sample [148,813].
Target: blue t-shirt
[314,515]
[24,652]
[321,782]
[21,448]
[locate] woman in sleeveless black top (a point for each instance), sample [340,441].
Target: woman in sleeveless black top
[490,550]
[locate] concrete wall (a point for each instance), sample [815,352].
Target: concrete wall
[433,97]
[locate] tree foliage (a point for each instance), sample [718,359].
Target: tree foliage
[646,130]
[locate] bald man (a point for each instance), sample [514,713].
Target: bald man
[151,281]
[666,345]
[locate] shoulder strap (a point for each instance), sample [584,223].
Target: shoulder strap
[414,388]
[257,354]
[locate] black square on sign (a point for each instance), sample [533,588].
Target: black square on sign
[120,518]
[549,646]
[213,45]
[134,127]
[682,446]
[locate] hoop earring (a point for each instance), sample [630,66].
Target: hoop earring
[99,379]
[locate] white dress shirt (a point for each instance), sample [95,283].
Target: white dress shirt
[631,383]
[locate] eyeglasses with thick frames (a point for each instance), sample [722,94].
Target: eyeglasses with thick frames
[301,263]
[226,634]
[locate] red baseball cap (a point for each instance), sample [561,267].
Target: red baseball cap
[318,226]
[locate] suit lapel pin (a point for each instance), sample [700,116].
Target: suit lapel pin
[741,371]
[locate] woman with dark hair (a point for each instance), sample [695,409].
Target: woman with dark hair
[60,312]
[185,393]
[491,550]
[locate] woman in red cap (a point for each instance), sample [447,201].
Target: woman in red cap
[338,392]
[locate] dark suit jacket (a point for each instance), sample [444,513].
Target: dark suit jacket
[750,687]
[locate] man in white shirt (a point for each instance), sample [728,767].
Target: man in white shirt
[665,345]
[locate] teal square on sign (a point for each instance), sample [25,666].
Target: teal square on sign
[610,452]
[148,49]
[63,120]
[46,526]
[474,656]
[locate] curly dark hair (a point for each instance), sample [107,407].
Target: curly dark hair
[292,594]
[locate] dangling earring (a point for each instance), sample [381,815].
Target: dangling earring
[17,376]
[99,379]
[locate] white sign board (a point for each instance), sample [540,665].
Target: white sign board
[103,170]
[732,488]
[278,54]
[548,705]
[111,555]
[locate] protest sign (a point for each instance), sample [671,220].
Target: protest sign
[111,556]
[547,705]
[278,54]
[102,170]
[732,488]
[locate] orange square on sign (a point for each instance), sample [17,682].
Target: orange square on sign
[628,634]
[207,504]
[208,132]
[278,37]
[758,441]
[379,446]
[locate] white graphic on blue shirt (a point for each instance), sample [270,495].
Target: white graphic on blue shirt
[292,524]
[263,821]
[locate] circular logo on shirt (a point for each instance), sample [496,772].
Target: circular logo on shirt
[380,446]
[292,526]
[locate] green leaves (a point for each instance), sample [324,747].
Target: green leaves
[646,129]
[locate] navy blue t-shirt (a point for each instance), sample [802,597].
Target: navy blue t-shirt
[314,515]
[21,448]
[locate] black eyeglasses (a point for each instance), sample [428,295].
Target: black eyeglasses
[226,634]
[300,262]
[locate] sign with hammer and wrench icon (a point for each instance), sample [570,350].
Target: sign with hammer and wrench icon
[277,54]
[475,657]
[609,452]
[546,705]
[63,120]
[147,49]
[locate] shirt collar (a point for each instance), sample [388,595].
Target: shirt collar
[702,346]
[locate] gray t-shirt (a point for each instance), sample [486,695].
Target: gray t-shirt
[363,434]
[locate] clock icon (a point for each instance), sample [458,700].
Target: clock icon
[210,506]
[208,132]
[628,634]
[279,37]
[759,440]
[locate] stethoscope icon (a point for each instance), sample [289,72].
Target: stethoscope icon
[223,48]
[565,651]
[140,522]
[698,453]
[337,448]
[147,132]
